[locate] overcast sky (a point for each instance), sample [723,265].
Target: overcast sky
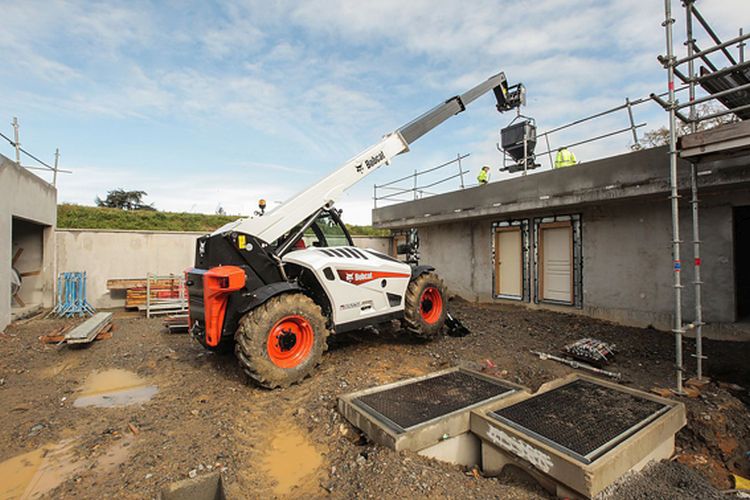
[208,103]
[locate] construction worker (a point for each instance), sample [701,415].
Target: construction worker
[565,158]
[484,175]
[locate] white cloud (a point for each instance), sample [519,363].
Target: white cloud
[324,78]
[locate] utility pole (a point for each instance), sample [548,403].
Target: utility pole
[16,140]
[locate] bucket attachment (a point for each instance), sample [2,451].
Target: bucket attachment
[518,141]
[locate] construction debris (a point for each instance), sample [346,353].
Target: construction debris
[578,365]
[591,351]
[177,323]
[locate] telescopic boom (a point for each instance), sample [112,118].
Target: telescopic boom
[325,192]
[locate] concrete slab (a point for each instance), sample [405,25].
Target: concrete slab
[555,468]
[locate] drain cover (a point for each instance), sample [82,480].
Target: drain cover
[415,403]
[582,419]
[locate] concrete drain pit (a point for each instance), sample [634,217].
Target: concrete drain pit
[429,414]
[582,419]
[579,434]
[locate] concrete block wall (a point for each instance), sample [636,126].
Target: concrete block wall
[24,196]
[627,263]
[109,254]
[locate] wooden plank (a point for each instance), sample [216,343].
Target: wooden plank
[89,329]
[715,135]
[127,283]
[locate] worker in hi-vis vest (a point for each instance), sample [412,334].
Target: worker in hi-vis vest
[484,175]
[565,158]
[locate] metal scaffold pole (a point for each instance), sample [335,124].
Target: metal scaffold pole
[674,197]
[16,140]
[697,282]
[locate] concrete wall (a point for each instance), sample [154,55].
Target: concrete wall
[25,196]
[108,254]
[627,265]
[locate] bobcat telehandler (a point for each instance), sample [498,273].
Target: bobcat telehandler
[274,286]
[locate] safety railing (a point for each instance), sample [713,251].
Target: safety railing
[46,167]
[396,190]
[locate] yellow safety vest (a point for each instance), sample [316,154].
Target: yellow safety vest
[565,158]
[483,176]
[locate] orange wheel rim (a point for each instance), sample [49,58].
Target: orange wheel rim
[290,341]
[431,305]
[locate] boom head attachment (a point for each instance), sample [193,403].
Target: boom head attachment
[509,97]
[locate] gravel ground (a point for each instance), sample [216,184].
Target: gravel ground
[205,417]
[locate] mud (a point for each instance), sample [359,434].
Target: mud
[204,418]
[291,461]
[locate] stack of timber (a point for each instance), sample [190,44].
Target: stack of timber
[97,327]
[159,291]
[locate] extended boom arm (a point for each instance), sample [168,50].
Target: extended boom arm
[325,192]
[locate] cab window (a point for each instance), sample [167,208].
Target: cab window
[331,230]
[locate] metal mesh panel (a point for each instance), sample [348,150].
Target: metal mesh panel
[580,416]
[411,404]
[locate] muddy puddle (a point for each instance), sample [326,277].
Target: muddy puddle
[37,472]
[114,388]
[291,460]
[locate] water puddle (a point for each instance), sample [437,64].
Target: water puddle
[114,388]
[37,472]
[290,459]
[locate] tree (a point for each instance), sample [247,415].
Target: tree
[125,200]
[660,136]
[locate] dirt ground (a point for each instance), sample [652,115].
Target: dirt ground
[191,413]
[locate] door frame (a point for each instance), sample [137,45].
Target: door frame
[497,287]
[575,222]
[511,225]
[556,225]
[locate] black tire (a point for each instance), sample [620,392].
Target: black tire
[425,306]
[262,359]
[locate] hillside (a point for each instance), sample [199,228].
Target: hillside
[71,216]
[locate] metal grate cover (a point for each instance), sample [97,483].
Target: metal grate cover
[582,418]
[415,403]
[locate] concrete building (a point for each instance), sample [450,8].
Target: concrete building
[593,239]
[28,213]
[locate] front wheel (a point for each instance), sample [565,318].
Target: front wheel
[281,342]
[425,306]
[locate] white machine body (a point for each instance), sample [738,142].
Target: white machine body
[361,284]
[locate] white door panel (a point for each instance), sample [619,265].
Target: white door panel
[509,264]
[557,262]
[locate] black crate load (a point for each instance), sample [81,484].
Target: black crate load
[592,351]
[518,141]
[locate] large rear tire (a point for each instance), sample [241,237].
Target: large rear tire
[425,306]
[282,341]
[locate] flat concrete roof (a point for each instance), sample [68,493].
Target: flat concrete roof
[632,175]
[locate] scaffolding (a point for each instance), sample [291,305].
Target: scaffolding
[46,167]
[729,86]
